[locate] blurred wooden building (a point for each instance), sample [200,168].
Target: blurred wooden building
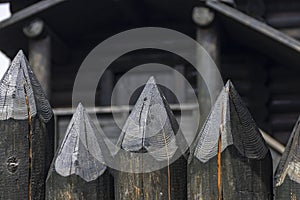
[255,44]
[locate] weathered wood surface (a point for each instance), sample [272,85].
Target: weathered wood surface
[230,159]
[78,170]
[150,140]
[26,141]
[287,176]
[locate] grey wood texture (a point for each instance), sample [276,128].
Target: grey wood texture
[287,176]
[27,136]
[230,159]
[78,170]
[152,131]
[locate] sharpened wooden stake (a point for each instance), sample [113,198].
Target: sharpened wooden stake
[230,159]
[78,170]
[27,136]
[287,176]
[151,151]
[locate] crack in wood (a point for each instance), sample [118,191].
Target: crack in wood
[30,142]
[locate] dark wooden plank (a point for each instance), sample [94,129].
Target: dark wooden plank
[230,159]
[152,149]
[26,144]
[287,177]
[78,170]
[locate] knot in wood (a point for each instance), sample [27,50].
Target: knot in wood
[12,164]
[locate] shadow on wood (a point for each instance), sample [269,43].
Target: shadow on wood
[26,142]
[230,159]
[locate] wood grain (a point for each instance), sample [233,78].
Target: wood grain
[287,176]
[245,163]
[78,170]
[152,151]
[27,136]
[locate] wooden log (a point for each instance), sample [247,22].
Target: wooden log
[287,177]
[208,36]
[78,170]
[230,159]
[27,136]
[40,59]
[151,158]
[39,33]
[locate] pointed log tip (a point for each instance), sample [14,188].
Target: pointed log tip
[151,80]
[151,118]
[289,162]
[80,106]
[21,54]
[228,84]
[79,113]
[229,88]
[80,153]
[16,63]
[80,109]
[20,57]
[231,119]
[20,91]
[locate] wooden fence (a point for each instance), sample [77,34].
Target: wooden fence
[229,158]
